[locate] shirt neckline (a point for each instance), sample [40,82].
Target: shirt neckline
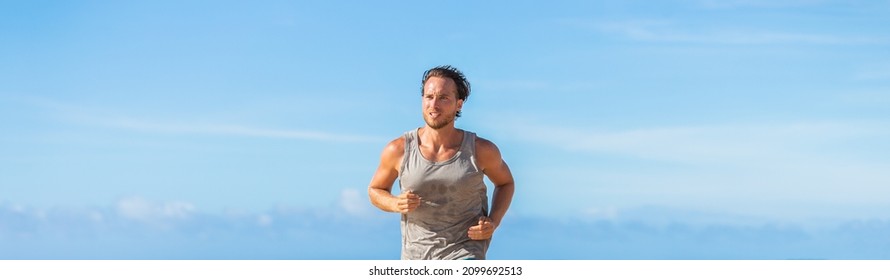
[453,158]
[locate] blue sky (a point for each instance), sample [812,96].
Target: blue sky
[634,129]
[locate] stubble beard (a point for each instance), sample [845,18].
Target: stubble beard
[444,121]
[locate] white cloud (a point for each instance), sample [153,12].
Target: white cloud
[600,213]
[140,209]
[354,202]
[264,220]
[16,208]
[650,232]
[135,208]
[96,217]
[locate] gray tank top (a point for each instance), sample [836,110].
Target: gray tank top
[453,197]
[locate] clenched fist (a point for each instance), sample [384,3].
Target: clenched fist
[483,230]
[407,202]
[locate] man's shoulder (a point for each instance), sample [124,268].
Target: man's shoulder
[396,146]
[484,145]
[487,153]
[480,141]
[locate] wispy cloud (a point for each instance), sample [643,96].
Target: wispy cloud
[355,202]
[878,97]
[710,143]
[875,73]
[791,170]
[671,32]
[101,117]
[536,85]
[150,126]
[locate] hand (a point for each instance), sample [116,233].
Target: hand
[483,230]
[407,202]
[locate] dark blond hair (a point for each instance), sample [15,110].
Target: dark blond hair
[447,71]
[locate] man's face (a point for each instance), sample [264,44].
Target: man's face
[440,103]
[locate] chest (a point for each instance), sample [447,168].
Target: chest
[424,168]
[438,154]
[443,178]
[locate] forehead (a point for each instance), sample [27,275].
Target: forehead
[440,85]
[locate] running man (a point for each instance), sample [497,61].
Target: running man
[443,200]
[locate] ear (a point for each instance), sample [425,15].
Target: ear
[460,104]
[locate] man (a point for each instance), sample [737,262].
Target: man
[443,200]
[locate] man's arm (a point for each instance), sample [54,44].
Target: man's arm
[488,157]
[380,188]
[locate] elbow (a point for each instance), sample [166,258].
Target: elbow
[506,185]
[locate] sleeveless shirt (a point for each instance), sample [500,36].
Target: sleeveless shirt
[453,197]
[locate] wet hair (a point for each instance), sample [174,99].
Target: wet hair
[447,71]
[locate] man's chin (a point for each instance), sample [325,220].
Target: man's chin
[437,125]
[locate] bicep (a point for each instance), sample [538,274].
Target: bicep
[388,170]
[499,174]
[384,178]
[493,165]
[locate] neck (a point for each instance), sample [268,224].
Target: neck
[445,136]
